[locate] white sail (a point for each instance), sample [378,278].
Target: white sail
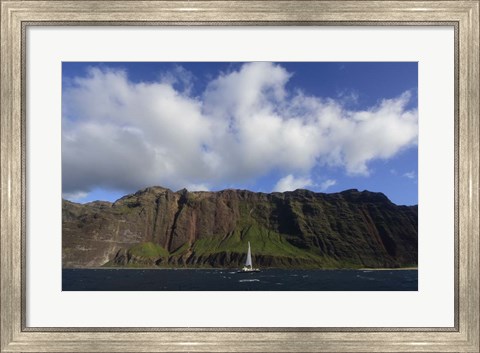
[248,263]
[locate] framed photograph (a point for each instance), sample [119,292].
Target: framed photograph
[239,176]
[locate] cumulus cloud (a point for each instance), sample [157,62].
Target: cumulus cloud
[290,183]
[123,135]
[74,196]
[327,184]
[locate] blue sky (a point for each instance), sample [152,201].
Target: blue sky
[260,126]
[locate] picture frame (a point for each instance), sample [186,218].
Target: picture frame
[16,16]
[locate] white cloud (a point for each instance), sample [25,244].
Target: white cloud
[348,97]
[74,196]
[197,187]
[379,133]
[290,183]
[327,184]
[123,135]
[410,175]
[179,78]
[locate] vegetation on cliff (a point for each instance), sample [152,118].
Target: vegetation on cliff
[298,229]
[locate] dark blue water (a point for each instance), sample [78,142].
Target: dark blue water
[229,280]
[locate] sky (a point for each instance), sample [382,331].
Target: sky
[261,126]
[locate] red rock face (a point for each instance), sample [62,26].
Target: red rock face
[299,229]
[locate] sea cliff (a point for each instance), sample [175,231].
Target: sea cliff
[299,229]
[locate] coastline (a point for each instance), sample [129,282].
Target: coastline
[235,269]
[389,269]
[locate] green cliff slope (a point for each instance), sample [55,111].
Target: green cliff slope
[299,229]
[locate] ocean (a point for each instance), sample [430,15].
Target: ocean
[230,280]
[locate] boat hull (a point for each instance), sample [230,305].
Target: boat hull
[248,270]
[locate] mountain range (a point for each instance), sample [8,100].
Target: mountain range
[156,227]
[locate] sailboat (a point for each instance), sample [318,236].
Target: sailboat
[248,264]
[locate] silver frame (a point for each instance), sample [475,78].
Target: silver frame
[15,336]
